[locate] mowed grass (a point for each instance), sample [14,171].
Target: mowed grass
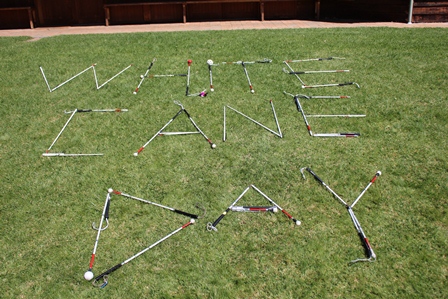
[48,204]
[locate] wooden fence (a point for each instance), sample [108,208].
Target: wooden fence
[45,13]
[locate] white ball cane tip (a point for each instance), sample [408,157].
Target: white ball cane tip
[88,275]
[298,222]
[275,210]
[110,190]
[213,145]
[252,91]
[192,220]
[134,92]
[379,172]
[135,154]
[141,76]
[212,89]
[209,62]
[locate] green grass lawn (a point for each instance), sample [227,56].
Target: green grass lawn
[48,204]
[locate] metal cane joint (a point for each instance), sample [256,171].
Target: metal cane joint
[200,207]
[180,104]
[100,228]
[210,227]
[102,285]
